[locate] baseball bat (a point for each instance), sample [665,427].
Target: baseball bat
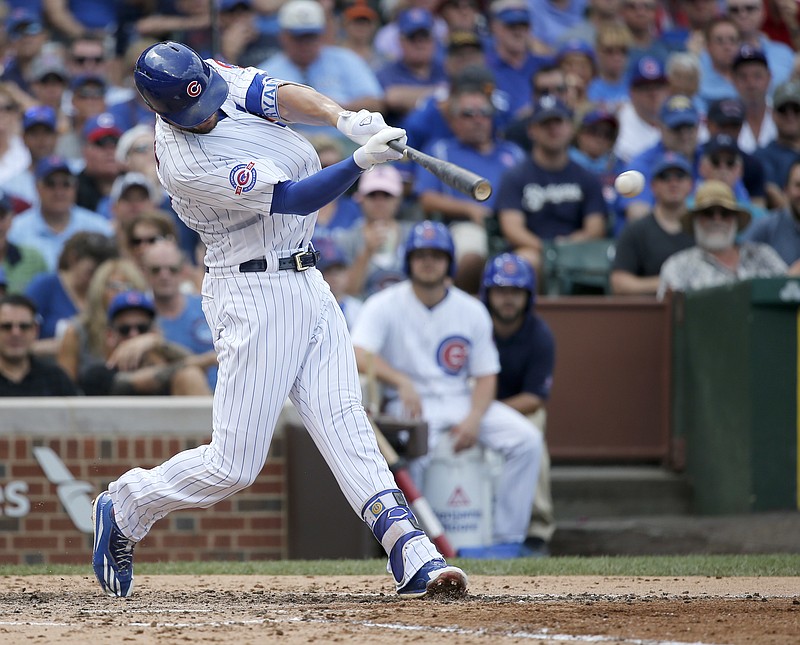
[459,178]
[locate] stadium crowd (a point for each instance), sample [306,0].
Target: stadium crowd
[549,99]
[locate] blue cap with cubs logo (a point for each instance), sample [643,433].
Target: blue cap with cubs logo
[178,85]
[508,270]
[130,300]
[646,70]
[430,235]
[671,161]
[51,164]
[750,54]
[39,115]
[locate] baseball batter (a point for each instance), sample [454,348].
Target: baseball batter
[428,357]
[250,186]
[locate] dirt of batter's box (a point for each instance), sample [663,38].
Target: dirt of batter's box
[365,609]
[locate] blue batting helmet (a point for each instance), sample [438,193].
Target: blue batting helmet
[430,235]
[178,85]
[508,270]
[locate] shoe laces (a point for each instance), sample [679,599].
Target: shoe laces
[121,550]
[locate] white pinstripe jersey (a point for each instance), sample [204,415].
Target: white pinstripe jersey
[221,182]
[438,348]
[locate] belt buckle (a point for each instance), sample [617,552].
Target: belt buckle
[298,261]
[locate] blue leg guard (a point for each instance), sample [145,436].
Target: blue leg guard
[394,525]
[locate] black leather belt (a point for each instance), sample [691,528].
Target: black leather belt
[299,261]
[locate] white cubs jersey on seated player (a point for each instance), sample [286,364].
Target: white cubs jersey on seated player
[221,186]
[438,348]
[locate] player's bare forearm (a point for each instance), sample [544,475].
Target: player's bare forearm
[301,104]
[483,393]
[371,103]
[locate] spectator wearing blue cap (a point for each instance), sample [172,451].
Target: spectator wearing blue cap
[163,368]
[610,88]
[336,71]
[100,137]
[644,245]
[748,16]
[387,38]
[638,118]
[721,160]
[19,263]
[752,78]
[26,39]
[509,56]
[57,217]
[679,125]
[40,138]
[418,72]
[548,197]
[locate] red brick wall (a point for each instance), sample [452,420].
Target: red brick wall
[251,525]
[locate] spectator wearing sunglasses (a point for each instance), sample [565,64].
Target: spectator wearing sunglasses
[19,264]
[717,259]
[137,360]
[49,225]
[179,315]
[610,88]
[144,229]
[26,40]
[780,155]
[21,373]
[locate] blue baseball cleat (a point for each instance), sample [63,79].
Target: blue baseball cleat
[436,579]
[112,555]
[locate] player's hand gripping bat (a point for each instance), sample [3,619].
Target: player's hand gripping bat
[459,178]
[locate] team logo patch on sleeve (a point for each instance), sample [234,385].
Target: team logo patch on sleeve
[452,354]
[243,177]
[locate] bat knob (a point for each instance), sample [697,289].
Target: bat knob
[482,190]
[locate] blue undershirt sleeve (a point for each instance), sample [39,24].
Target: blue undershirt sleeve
[312,193]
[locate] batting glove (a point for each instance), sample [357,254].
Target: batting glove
[360,126]
[376,149]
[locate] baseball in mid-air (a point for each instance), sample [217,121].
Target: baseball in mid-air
[629,183]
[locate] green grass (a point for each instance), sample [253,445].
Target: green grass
[692,565]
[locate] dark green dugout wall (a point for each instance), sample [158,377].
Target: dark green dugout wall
[735,384]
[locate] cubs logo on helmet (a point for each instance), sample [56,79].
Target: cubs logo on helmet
[178,85]
[430,235]
[508,270]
